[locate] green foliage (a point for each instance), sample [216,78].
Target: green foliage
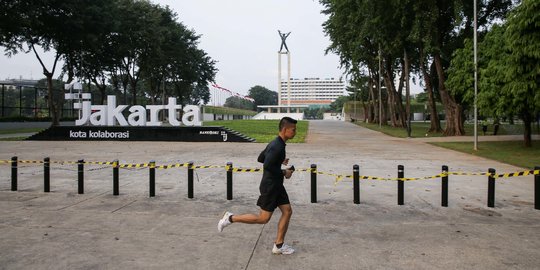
[238,103]
[230,111]
[263,131]
[427,30]
[262,96]
[461,73]
[337,105]
[127,43]
[420,129]
[509,67]
[421,97]
[510,152]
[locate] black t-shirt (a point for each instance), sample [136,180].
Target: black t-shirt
[272,157]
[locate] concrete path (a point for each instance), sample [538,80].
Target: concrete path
[96,230]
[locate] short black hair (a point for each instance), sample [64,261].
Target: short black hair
[285,121]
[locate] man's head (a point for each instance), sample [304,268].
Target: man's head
[287,128]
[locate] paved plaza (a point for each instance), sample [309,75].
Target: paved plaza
[96,230]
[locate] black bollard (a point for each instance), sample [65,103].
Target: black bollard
[152,169]
[80,170]
[491,188]
[47,174]
[14,163]
[190,180]
[356,184]
[116,180]
[537,189]
[444,193]
[229,180]
[401,185]
[313,183]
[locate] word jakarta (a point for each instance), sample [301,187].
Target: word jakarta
[111,115]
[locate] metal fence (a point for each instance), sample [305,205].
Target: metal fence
[28,101]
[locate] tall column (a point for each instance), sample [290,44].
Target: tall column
[279,78]
[288,81]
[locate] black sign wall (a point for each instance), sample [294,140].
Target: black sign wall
[121,133]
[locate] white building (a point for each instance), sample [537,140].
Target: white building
[312,91]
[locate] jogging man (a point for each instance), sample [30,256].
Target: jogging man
[273,193]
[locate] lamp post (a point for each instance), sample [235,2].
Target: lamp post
[380,82]
[475,82]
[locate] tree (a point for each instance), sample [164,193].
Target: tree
[239,103]
[523,74]
[508,68]
[118,41]
[337,105]
[262,96]
[62,27]
[429,30]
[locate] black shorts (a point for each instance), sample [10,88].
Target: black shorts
[275,197]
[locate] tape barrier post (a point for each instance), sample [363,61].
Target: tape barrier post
[80,172]
[14,163]
[444,181]
[313,183]
[229,181]
[116,180]
[537,189]
[491,187]
[190,180]
[401,186]
[152,170]
[356,183]
[47,174]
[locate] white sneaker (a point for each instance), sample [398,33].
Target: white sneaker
[285,249]
[224,221]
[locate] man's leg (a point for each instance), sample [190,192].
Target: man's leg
[263,218]
[283,225]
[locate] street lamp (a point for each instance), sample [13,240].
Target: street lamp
[380,83]
[475,81]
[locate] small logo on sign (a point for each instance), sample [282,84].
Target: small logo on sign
[224,134]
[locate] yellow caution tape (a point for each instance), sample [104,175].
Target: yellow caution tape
[246,169]
[141,165]
[338,177]
[30,161]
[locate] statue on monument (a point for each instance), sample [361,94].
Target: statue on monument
[283,38]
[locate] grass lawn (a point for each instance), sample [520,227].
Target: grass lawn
[510,152]
[20,130]
[263,131]
[10,139]
[419,129]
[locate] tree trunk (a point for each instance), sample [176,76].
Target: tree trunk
[527,122]
[454,111]
[133,86]
[392,99]
[372,107]
[402,118]
[53,105]
[434,118]
[407,92]
[390,103]
[101,87]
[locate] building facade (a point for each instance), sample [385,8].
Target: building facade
[314,92]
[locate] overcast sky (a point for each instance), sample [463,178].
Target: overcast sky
[241,36]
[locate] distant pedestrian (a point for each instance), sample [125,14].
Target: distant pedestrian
[273,193]
[484,126]
[495,127]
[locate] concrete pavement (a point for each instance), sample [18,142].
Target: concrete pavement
[96,230]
